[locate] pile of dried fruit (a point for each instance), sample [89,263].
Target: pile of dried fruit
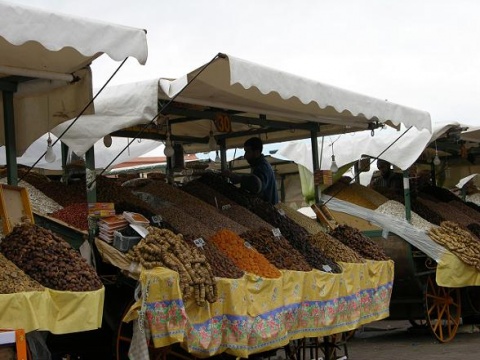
[276,249]
[312,226]
[222,265]
[49,259]
[189,204]
[459,241]
[75,215]
[296,235]
[335,249]
[225,205]
[14,280]
[355,240]
[244,255]
[163,248]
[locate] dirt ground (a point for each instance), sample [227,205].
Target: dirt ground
[392,340]
[398,340]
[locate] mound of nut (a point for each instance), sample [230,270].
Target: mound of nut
[14,280]
[162,248]
[49,259]
[458,241]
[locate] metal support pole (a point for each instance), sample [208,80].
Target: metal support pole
[223,154]
[10,142]
[64,151]
[406,194]
[91,175]
[313,137]
[91,195]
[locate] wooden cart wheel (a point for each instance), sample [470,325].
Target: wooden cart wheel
[443,310]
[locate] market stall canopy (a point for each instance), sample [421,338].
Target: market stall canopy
[44,61]
[103,155]
[350,147]
[471,134]
[237,99]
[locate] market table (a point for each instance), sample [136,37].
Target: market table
[254,314]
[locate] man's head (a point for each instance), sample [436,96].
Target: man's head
[253,149]
[383,166]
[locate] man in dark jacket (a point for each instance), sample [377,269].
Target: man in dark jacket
[266,188]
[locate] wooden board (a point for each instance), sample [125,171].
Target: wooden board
[15,207]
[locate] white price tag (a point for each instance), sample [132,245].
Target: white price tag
[327,268]
[385,233]
[157,219]
[199,242]
[281,212]
[226,207]
[248,245]
[276,232]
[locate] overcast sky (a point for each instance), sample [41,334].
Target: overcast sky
[420,53]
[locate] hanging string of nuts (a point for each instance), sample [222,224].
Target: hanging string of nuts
[162,248]
[459,241]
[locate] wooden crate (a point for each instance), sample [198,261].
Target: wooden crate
[15,207]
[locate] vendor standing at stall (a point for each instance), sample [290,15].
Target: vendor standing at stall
[261,180]
[388,180]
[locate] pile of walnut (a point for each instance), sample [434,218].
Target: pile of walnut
[49,259]
[460,242]
[161,247]
[14,280]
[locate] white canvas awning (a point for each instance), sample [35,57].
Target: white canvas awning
[44,61]
[258,100]
[403,150]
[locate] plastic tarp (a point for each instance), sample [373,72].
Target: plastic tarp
[251,90]
[52,48]
[401,227]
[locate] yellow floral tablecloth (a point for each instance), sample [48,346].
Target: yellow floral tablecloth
[60,312]
[255,314]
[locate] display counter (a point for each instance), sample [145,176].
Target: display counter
[254,314]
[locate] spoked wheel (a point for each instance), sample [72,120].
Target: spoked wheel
[443,310]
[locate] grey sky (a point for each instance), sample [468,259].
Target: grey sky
[419,53]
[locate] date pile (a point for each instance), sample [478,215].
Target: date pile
[276,249]
[162,248]
[14,280]
[459,241]
[222,265]
[355,240]
[49,259]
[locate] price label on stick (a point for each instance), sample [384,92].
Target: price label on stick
[248,245]
[281,212]
[226,207]
[276,232]
[327,268]
[199,242]
[157,219]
